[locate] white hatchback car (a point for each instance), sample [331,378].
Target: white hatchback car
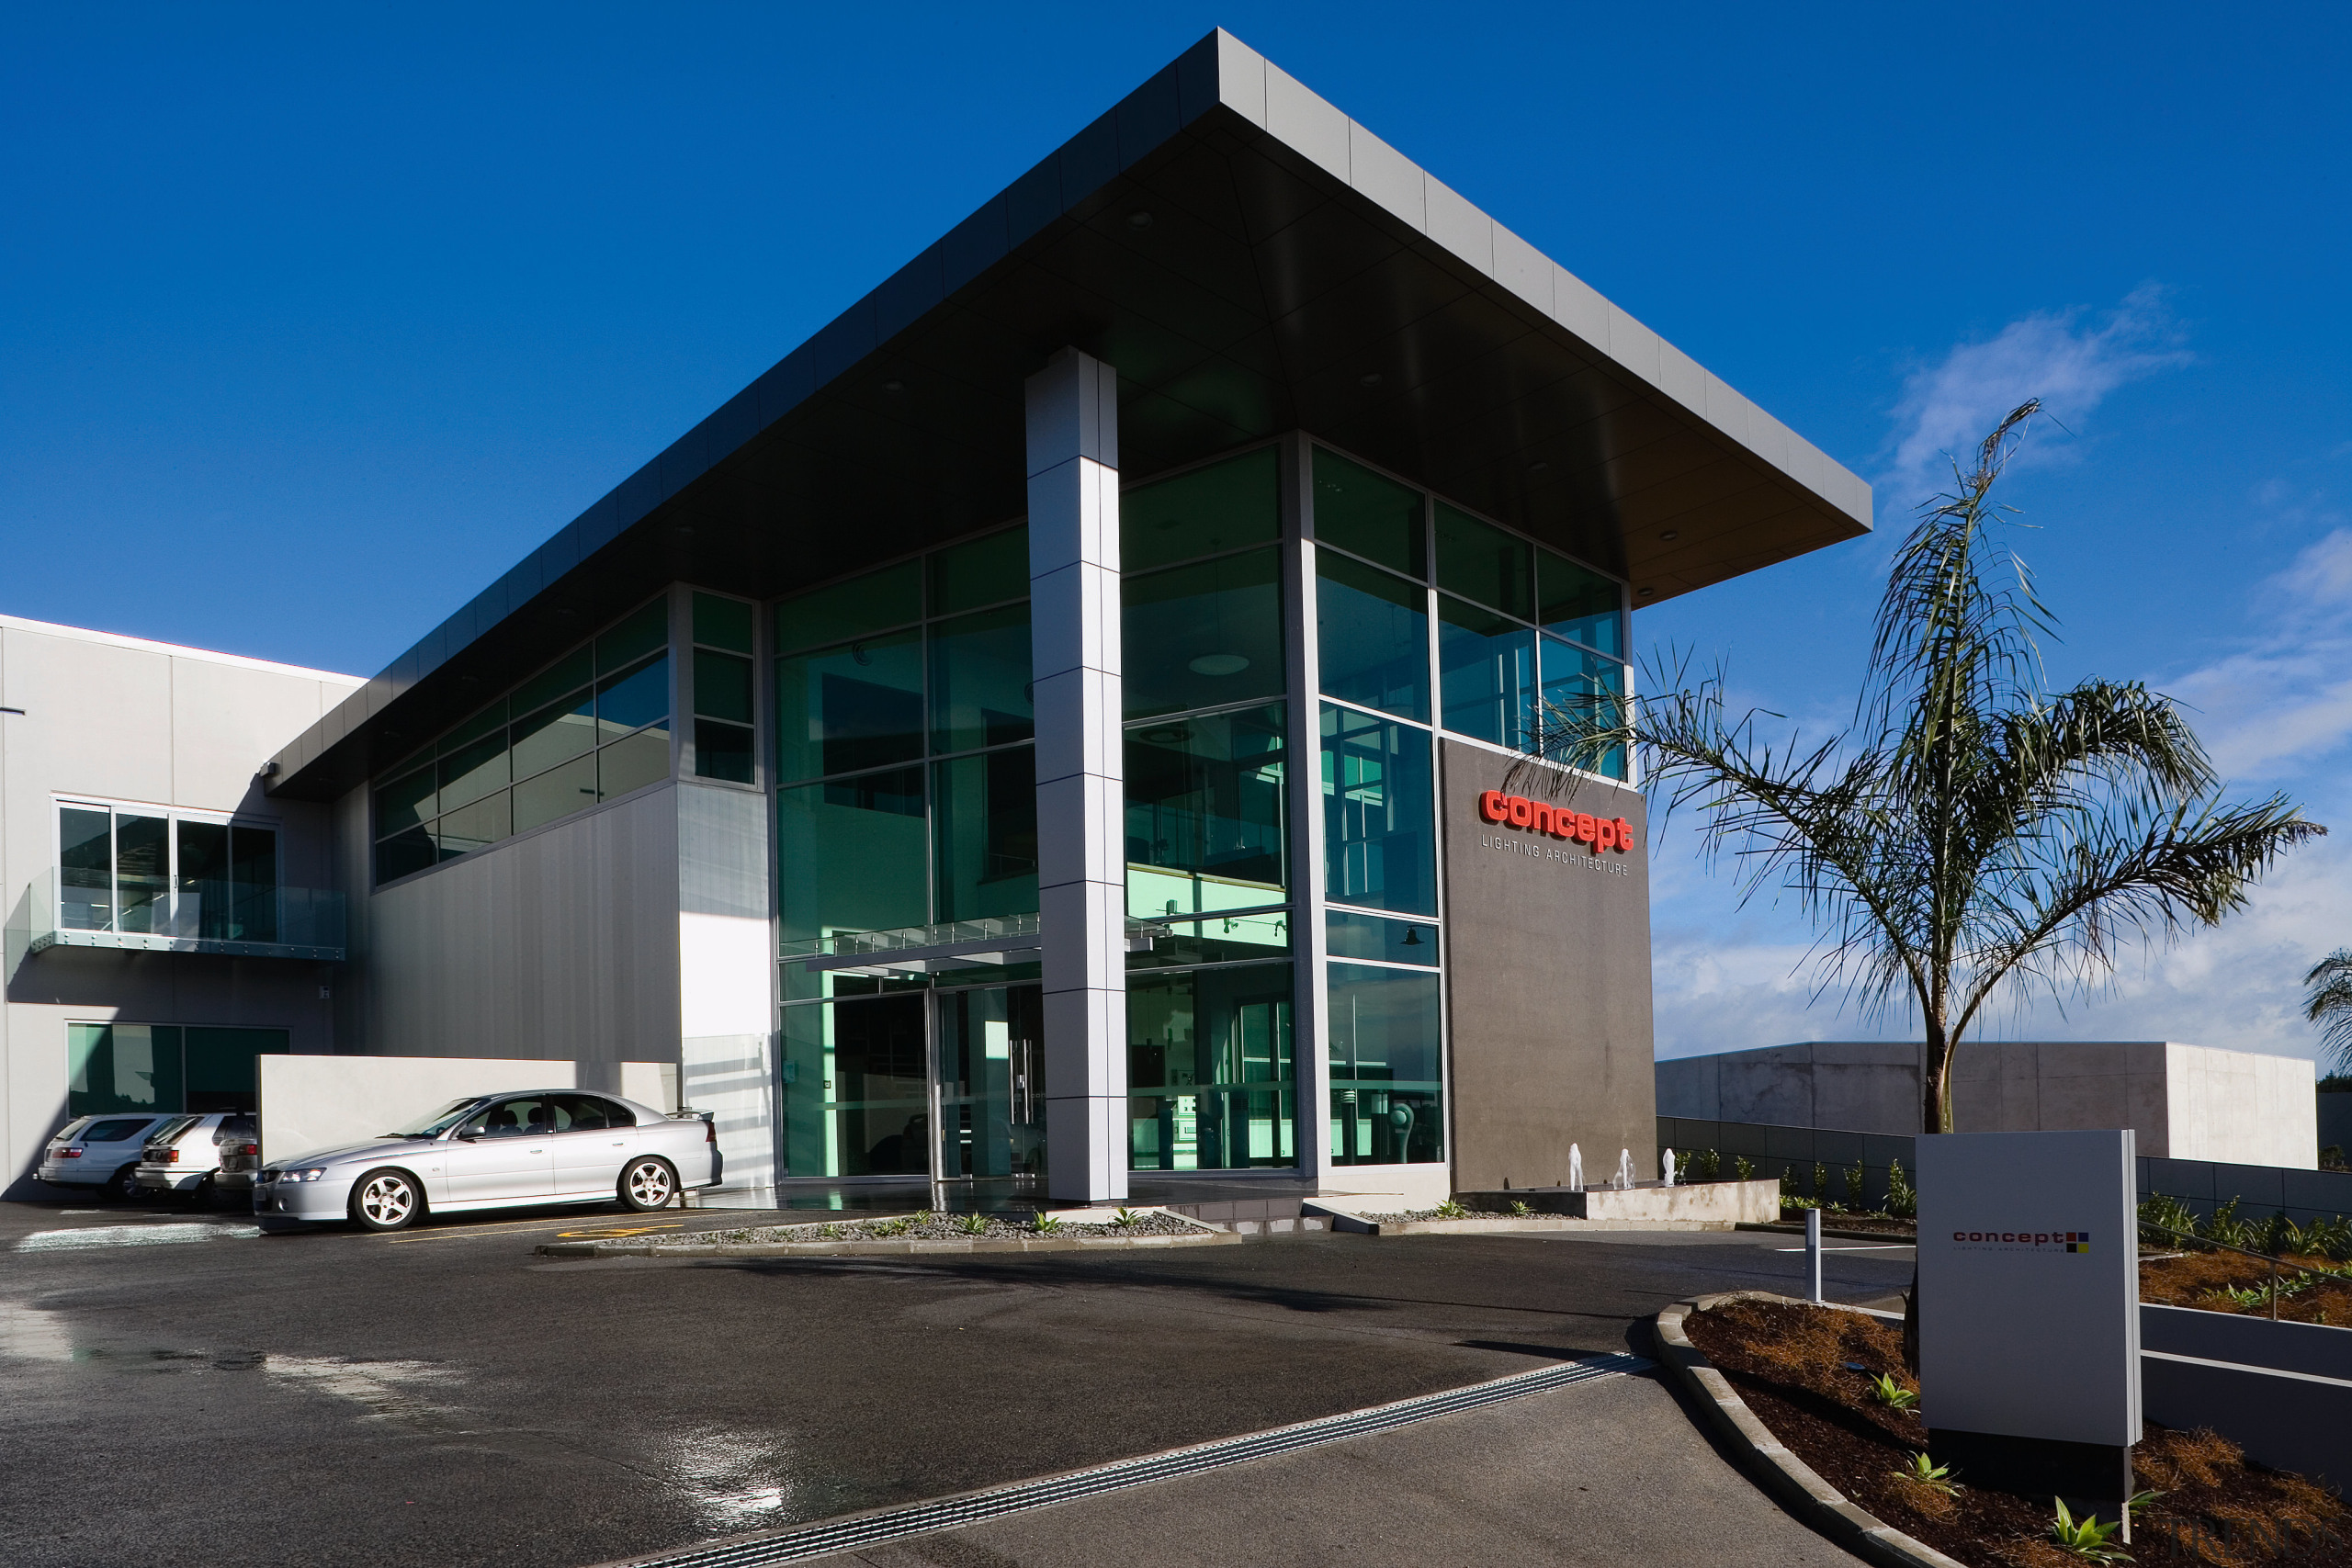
[99,1151]
[184,1155]
[498,1151]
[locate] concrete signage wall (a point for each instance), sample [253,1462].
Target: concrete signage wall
[2028,1307]
[1548,959]
[317,1102]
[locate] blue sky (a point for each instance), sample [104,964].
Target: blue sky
[303,298]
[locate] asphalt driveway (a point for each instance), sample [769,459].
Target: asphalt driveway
[182,1389]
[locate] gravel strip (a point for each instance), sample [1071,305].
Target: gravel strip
[928,1226]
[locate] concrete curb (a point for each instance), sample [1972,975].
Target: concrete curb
[1788,1478]
[877,1248]
[1497,1224]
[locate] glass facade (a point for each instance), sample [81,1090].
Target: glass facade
[590,727]
[158,1067]
[164,874]
[722,686]
[904,774]
[906,804]
[1210,1073]
[906,771]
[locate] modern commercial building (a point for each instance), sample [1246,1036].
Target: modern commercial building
[2188,1102]
[1058,727]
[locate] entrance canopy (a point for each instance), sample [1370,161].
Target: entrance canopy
[1251,261]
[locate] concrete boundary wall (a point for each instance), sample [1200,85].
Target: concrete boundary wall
[2204,1185]
[318,1102]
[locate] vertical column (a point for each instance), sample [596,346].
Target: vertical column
[1310,1036]
[1073,432]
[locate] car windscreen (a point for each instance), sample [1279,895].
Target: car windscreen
[437,1122]
[115,1131]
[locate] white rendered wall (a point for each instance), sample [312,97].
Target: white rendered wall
[725,976]
[319,1103]
[2241,1107]
[2184,1101]
[1073,465]
[136,723]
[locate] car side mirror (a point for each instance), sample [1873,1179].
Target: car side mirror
[468,1137]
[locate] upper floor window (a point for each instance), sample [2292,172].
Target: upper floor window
[593,725]
[156,873]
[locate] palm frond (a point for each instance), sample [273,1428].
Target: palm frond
[2329,1004]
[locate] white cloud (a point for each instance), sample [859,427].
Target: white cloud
[2070,362]
[2282,701]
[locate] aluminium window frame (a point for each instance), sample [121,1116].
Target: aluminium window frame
[173,816]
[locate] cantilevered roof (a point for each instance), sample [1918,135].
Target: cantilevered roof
[1252,261]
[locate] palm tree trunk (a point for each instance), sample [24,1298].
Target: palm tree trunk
[1935,1079]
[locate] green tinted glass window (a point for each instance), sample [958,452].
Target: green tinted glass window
[863,606]
[1351,935]
[722,750]
[849,708]
[634,698]
[1386,1087]
[562,678]
[1483,563]
[722,686]
[404,803]
[490,721]
[1485,672]
[1368,515]
[632,762]
[1210,1071]
[1204,635]
[985,818]
[980,680]
[471,771]
[559,792]
[723,622]
[562,731]
[474,827]
[857,1094]
[1372,633]
[1579,604]
[1583,692]
[1221,507]
[635,638]
[1205,813]
[856,853]
[1379,814]
[984,571]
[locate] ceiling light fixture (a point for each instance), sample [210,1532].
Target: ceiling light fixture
[1670,535]
[1215,664]
[1369,378]
[1138,220]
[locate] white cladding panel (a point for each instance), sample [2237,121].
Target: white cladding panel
[2030,1286]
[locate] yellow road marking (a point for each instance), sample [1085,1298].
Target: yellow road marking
[510,1226]
[624,1230]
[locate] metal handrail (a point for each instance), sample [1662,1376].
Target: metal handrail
[2228,1247]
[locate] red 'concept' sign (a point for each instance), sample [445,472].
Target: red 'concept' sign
[1596,833]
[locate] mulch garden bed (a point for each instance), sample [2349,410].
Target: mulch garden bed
[2310,1290]
[1807,1372]
[1877,1225]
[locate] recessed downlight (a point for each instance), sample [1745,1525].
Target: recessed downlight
[1369,378]
[1671,535]
[1139,219]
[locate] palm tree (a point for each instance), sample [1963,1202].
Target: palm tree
[1969,829]
[2330,1004]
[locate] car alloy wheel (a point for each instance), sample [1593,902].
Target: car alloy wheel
[385,1200]
[124,1185]
[647,1184]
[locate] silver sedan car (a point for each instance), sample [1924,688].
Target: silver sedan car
[498,1151]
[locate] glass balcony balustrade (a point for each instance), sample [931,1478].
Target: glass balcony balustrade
[176,914]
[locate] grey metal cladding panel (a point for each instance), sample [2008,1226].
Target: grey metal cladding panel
[1032,202]
[1383,175]
[841,343]
[1148,117]
[1089,159]
[1460,228]
[785,385]
[1307,124]
[1521,268]
[973,246]
[906,293]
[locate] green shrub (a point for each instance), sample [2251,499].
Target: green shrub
[1820,1181]
[1902,1198]
[2086,1538]
[1892,1394]
[1519,1210]
[1854,1202]
[1045,1225]
[1924,1471]
[1710,1165]
[974,1224]
[1742,1168]
[1450,1209]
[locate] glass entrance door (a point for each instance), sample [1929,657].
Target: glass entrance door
[991,1084]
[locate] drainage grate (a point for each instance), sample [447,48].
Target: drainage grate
[920,1518]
